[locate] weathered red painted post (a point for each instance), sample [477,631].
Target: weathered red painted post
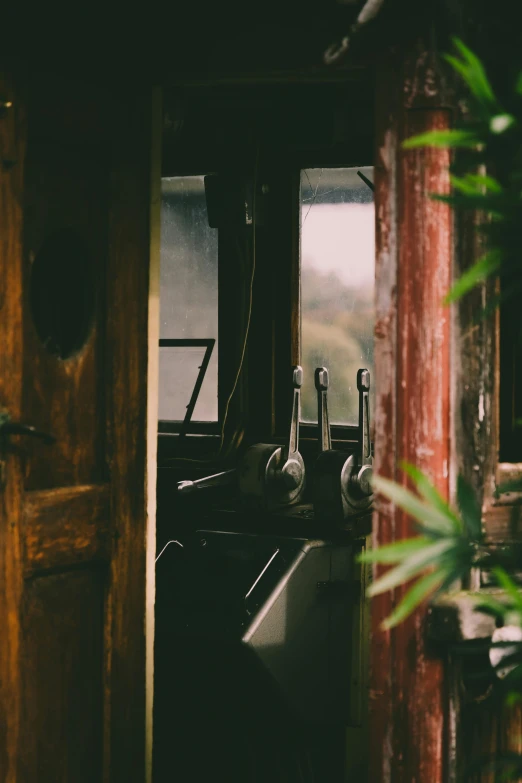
[414,260]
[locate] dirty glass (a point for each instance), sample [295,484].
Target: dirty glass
[188,298]
[337,249]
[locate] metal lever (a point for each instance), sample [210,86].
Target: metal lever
[8,427]
[321,384]
[365,473]
[297,382]
[217,480]
[292,470]
[272,477]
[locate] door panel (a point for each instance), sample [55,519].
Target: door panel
[63,710]
[74,270]
[64,527]
[65,230]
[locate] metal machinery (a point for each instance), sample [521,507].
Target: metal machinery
[285,598]
[342,482]
[273,478]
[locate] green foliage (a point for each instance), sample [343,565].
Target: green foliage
[443,138]
[490,140]
[472,184]
[479,272]
[473,73]
[511,589]
[444,551]
[450,544]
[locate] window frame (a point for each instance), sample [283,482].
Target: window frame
[202,437]
[173,428]
[261,406]
[343,435]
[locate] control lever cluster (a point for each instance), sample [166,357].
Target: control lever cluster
[342,482]
[272,477]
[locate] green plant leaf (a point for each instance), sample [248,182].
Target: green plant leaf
[484,268]
[452,137]
[518,84]
[471,184]
[474,74]
[430,517]
[394,552]
[469,508]
[426,489]
[506,583]
[428,556]
[490,605]
[422,588]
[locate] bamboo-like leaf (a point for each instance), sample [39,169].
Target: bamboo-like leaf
[490,605]
[422,588]
[452,137]
[489,610]
[485,181]
[428,516]
[475,183]
[469,508]
[474,74]
[484,268]
[430,493]
[506,583]
[466,73]
[395,552]
[409,568]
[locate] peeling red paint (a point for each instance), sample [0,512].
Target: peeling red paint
[414,254]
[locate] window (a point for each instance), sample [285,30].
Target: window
[337,255]
[188,304]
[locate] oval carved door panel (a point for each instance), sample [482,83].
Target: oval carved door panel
[62,294]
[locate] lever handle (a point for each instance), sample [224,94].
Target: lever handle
[322,382]
[8,427]
[292,471]
[297,382]
[216,480]
[363,385]
[365,473]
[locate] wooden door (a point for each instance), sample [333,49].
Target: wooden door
[74,250]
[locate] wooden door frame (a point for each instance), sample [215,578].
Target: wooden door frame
[131,419]
[13,137]
[127,752]
[152,413]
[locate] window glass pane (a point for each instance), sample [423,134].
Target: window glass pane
[178,372]
[188,298]
[337,286]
